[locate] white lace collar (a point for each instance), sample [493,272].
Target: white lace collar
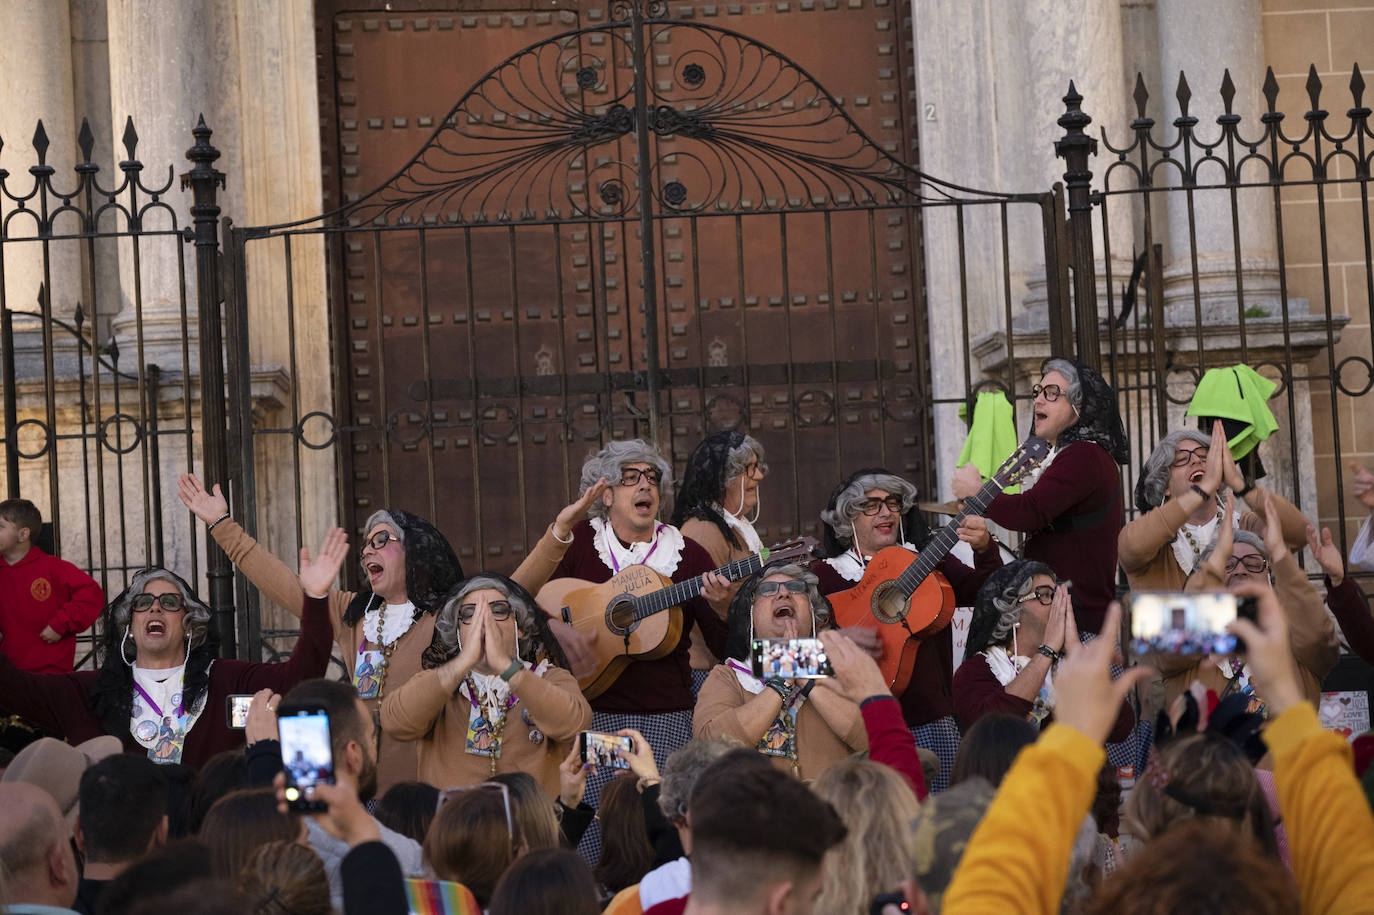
[850,566]
[662,553]
[399,618]
[744,529]
[1033,475]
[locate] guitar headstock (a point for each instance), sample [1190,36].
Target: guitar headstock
[1022,461]
[800,548]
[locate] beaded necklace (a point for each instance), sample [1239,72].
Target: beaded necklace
[498,724]
[386,650]
[1192,541]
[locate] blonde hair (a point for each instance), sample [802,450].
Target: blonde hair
[877,807]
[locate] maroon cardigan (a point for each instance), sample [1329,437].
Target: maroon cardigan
[1351,609]
[977,693]
[61,702]
[1082,489]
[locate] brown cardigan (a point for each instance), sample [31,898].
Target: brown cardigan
[396,761]
[709,537]
[436,721]
[818,747]
[1145,554]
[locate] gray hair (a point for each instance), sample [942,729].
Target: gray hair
[841,517]
[1240,535]
[446,621]
[608,462]
[1009,603]
[1154,475]
[384,517]
[1074,390]
[197,614]
[684,765]
[739,458]
[820,607]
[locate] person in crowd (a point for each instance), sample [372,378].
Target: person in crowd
[149,882]
[1070,506]
[1362,550]
[1343,595]
[759,838]
[408,808]
[1238,556]
[877,808]
[991,746]
[495,694]
[45,602]
[535,816]
[626,855]
[36,855]
[474,839]
[161,687]
[241,822]
[940,833]
[1179,499]
[123,815]
[874,509]
[803,729]
[384,628]
[353,739]
[547,881]
[57,767]
[717,507]
[1021,622]
[286,878]
[223,773]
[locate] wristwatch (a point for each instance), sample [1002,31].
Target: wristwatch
[1049,652]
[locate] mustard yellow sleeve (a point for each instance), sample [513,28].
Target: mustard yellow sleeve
[1018,858]
[1330,827]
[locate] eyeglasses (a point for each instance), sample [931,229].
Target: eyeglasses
[756,469]
[1252,563]
[500,611]
[1044,594]
[378,541]
[449,794]
[630,476]
[1051,392]
[873,506]
[1184,456]
[767,588]
[170,603]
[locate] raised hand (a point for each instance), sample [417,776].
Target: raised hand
[580,647]
[1363,485]
[344,817]
[966,482]
[1328,555]
[1087,698]
[261,723]
[207,506]
[1223,546]
[641,755]
[495,653]
[974,532]
[866,638]
[1218,455]
[577,510]
[857,676]
[318,575]
[572,777]
[1273,530]
[1056,630]
[1268,654]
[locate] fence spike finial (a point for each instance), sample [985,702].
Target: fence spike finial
[1271,89]
[130,138]
[40,143]
[1183,94]
[1141,95]
[1228,90]
[85,140]
[1357,87]
[1314,86]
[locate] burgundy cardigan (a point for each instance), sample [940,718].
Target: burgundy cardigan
[1351,609]
[977,693]
[61,702]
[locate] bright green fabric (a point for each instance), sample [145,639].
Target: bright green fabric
[1239,393]
[992,436]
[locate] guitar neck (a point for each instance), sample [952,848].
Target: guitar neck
[944,539]
[671,596]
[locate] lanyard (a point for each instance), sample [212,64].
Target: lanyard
[615,565]
[153,705]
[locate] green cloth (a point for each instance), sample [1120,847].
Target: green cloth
[1241,394]
[992,436]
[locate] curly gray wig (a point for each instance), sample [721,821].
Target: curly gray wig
[527,616]
[684,765]
[998,607]
[741,456]
[1241,536]
[1074,391]
[384,517]
[841,517]
[1154,475]
[608,462]
[197,614]
[740,620]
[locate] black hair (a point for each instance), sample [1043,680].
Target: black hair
[408,808]
[123,800]
[222,773]
[988,749]
[156,876]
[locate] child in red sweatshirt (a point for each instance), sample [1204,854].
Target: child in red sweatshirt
[44,601]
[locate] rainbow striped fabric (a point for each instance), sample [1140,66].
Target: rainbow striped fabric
[440,897]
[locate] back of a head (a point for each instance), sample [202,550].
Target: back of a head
[201,897]
[239,823]
[626,854]
[123,802]
[339,700]
[155,877]
[941,832]
[408,808]
[684,766]
[547,881]
[534,815]
[30,825]
[753,828]
[990,747]
[222,773]
[470,841]
[284,878]
[1195,869]
[877,807]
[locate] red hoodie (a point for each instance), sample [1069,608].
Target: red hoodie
[41,590]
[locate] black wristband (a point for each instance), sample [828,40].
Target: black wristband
[1048,652]
[806,690]
[1206,496]
[779,687]
[1242,493]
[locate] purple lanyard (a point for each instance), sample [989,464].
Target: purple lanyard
[472,697]
[153,705]
[615,566]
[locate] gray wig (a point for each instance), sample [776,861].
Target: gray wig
[1074,391]
[608,463]
[1241,536]
[384,517]
[526,622]
[741,456]
[197,618]
[1154,475]
[841,517]
[684,765]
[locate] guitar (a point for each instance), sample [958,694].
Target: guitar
[899,591]
[626,613]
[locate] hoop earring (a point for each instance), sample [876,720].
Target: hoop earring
[122,654]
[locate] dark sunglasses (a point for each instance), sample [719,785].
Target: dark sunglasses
[170,603]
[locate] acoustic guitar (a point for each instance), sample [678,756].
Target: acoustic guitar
[637,614]
[900,598]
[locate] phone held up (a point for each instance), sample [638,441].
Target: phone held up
[1186,623]
[307,755]
[603,749]
[238,710]
[790,659]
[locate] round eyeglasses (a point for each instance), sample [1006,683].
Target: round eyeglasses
[1051,392]
[1251,562]
[378,541]
[1044,594]
[630,476]
[500,611]
[1184,456]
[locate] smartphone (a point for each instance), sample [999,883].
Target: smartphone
[1186,623]
[600,749]
[307,756]
[238,710]
[880,903]
[790,659]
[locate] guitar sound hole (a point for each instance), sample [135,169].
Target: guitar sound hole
[889,605]
[620,617]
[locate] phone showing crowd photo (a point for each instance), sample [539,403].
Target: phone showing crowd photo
[790,659]
[306,754]
[602,749]
[1186,623]
[238,710]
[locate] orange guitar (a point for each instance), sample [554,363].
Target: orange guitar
[898,590]
[626,613]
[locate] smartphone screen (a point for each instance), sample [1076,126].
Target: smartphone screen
[600,750]
[790,659]
[306,755]
[1191,623]
[238,710]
